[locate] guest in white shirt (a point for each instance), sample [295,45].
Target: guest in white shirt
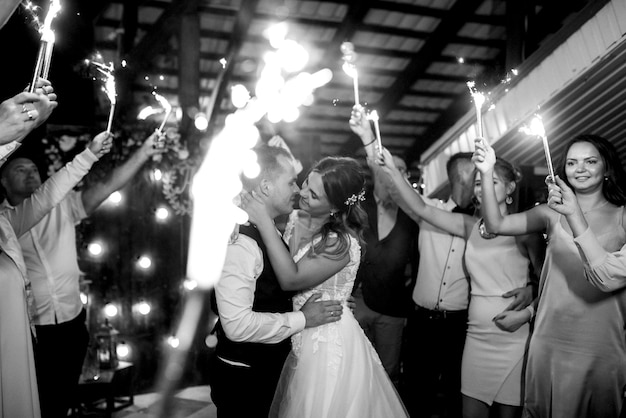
[49,251]
[18,384]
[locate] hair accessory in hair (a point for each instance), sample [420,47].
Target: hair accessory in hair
[351,201]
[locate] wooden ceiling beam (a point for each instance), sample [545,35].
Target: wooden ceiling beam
[156,40]
[240,29]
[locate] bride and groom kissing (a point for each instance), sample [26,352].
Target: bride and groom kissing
[272,289]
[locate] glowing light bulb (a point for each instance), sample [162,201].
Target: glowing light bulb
[144,307]
[110,310]
[239,95]
[162,213]
[123,351]
[95,248]
[144,262]
[173,341]
[201,122]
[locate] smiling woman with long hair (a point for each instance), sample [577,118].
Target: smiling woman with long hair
[577,354]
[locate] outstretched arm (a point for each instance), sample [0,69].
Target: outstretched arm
[28,213]
[97,193]
[414,205]
[533,220]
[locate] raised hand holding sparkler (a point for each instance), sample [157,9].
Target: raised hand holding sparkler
[44,57]
[349,66]
[536,128]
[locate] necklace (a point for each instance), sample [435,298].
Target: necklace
[483,231]
[595,207]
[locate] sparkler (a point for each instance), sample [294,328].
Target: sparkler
[479,100]
[373,116]
[536,128]
[108,86]
[167,107]
[44,57]
[349,66]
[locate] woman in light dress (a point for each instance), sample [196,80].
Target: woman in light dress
[332,370]
[493,356]
[577,354]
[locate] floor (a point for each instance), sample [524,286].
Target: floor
[192,402]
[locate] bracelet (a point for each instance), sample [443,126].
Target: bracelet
[531,309]
[370,143]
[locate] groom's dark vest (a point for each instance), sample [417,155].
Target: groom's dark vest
[268,297]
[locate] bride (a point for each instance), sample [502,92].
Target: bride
[332,370]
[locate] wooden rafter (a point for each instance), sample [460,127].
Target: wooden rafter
[244,18]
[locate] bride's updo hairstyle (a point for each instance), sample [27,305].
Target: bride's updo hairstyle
[344,184]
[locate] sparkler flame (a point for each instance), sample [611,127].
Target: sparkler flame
[108,80]
[47,34]
[373,116]
[537,129]
[32,10]
[349,66]
[479,100]
[167,107]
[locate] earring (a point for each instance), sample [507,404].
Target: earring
[332,214]
[508,199]
[606,178]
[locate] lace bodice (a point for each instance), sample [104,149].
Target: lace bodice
[337,287]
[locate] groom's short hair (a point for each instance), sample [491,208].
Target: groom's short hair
[267,158]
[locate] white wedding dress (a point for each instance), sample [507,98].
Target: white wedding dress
[333,370]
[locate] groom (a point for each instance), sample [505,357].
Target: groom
[255,314]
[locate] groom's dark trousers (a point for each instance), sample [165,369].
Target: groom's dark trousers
[239,391]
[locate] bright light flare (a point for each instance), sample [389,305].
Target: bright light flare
[110,310]
[144,262]
[276,34]
[349,67]
[95,249]
[162,213]
[123,351]
[143,307]
[537,129]
[292,56]
[147,111]
[239,96]
[201,122]
[373,116]
[173,341]
[167,107]
[46,29]
[479,100]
